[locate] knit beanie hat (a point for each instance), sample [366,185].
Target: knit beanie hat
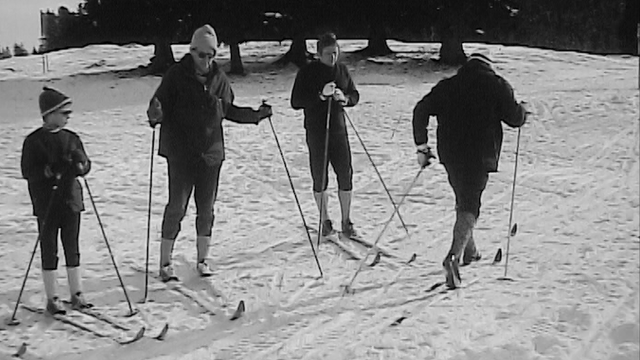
[204,38]
[480,57]
[51,100]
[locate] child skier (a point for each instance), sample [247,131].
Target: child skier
[52,158]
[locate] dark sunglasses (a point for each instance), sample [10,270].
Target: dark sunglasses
[203,55]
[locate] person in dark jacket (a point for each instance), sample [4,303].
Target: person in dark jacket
[190,103]
[52,158]
[322,81]
[469,108]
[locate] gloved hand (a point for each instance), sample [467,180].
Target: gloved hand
[424,155]
[154,112]
[48,173]
[338,96]
[328,90]
[80,167]
[264,111]
[527,110]
[79,161]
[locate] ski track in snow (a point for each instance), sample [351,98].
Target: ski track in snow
[575,258]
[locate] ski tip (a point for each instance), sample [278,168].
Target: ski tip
[376,260]
[139,334]
[163,332]
[398,321]
[504,278]
[239,311]
[514,229]
[498,257]
[413,258]
[21,351]
[435,286]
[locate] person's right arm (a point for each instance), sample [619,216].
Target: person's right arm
[424,109]
[427,107]
[304,94]
[162,100]
[33,166]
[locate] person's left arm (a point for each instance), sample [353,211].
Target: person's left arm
[351,94]
[80,158]
[223,95]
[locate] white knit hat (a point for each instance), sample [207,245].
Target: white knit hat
[204,38]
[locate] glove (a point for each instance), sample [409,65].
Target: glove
[79,161]
[264,111]
[424,155]
[338,96]
[527,110]
[154,112]
[328,90]
[81,168]
[48,173]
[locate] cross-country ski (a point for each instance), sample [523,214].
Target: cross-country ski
[208,305]
[65,319]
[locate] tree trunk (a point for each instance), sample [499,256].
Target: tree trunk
[451,51]
[452,23]
[236,59]
[297,53]
[377,44]
[628,27]
[162,58]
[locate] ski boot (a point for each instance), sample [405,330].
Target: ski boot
[55,307]
[168,274]
[452,272]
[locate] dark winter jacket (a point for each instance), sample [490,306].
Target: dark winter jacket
[61,151]
[306,95]
[469,107]
[193,113]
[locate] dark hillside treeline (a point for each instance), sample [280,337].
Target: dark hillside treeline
[597,26]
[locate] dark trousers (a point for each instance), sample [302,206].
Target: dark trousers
[66,222]
[184,177]
[468,183]
[339,155]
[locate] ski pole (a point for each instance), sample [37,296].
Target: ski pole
[404,225]
[413,182]
[325,166]
[146,269]
[113,260]
[512,230]
[13,321]
[295,195]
